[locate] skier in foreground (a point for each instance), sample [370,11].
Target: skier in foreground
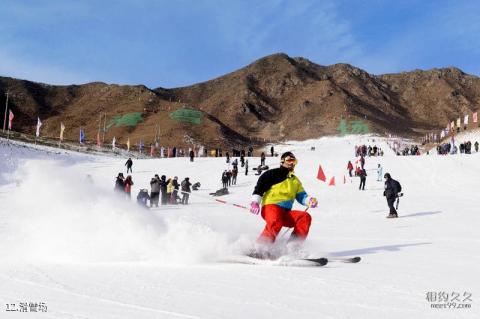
[276,190]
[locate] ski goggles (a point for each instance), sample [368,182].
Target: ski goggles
[290,160]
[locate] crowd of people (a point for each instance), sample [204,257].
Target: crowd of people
[450,148]
[165,190]
[410,150]
[361,172]
[162,189]
[364,150]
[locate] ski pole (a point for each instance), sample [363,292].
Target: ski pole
[218,200]
[234,204]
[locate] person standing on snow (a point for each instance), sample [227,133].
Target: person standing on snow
[176,186]
[379,173]
[129,164]
[163,189]
[350,168]
[128,186]
[155,190]
[363,179]
[392,188]
[186,190]
[120,183]
[277,190]
[262,159]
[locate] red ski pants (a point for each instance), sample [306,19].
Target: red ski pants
[278,217]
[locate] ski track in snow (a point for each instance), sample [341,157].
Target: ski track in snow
[66,240]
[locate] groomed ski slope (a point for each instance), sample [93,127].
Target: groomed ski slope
[70,243]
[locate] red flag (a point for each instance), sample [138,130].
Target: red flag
[332,181]
[320,175]
[10,119]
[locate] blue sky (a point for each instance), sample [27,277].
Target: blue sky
[181,42]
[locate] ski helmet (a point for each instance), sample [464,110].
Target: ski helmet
[285,155]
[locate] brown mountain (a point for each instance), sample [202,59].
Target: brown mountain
[275,98]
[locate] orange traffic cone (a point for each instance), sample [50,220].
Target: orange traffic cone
[320,175]
[332,181]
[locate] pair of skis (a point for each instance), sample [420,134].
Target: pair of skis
[285,261]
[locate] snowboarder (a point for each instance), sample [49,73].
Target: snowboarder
[363,179]
[227,154]
[246,167]
[272,151]
[379,173]
[391,192]
[277,190]
[350,168]
[129,164]
[476,146]
[192,155]
[186,190]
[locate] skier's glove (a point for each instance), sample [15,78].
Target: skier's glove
[312,202]
[254,208]
[255,204]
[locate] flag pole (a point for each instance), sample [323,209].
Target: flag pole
[6,108]
[104,127]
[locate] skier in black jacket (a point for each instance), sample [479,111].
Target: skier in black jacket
[363,179]
[392,189]
[163,189]
[186,190]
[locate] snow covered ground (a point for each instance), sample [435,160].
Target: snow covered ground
[68,242]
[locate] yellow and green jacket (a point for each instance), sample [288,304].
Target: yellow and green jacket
[281,187]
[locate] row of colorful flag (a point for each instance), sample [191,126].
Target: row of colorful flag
[450,128]
[164,151]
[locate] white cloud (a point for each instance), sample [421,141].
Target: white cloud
[311,29]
